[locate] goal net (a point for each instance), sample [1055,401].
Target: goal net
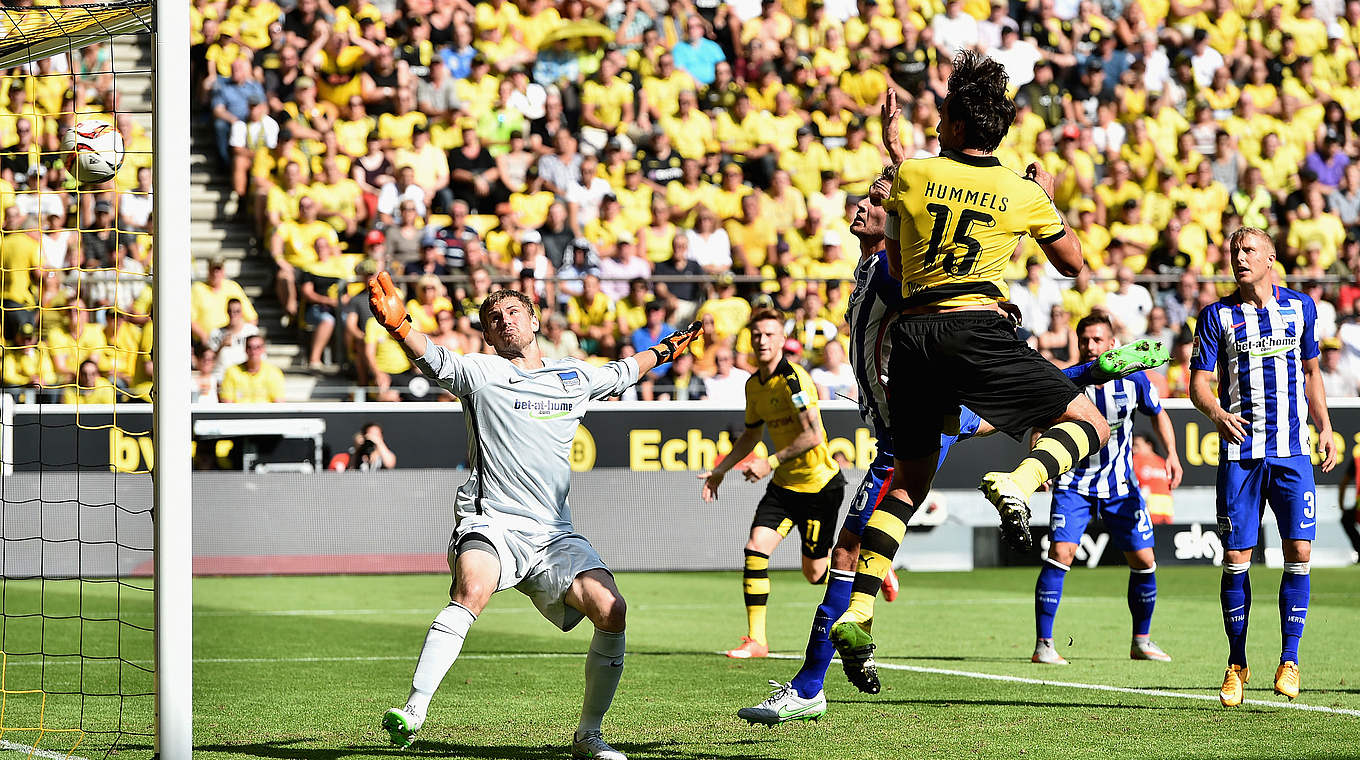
[77,540]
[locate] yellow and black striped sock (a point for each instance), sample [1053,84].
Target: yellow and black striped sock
[1056,451]
[877,546]
[756,587]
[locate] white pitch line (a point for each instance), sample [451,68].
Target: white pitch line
[1093,686]
[27,749]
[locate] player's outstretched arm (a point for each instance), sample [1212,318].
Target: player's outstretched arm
[891,117]
[670,347]
[1065,252]
[745,443]
[807,440]
[1317,409]
[391,313]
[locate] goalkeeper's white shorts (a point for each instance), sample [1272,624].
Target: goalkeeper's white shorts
[541,565]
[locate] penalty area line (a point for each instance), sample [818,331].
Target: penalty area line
[31,751]
[1093,686]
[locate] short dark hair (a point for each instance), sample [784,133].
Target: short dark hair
[484,311]
[1095,318]
[978,100]
[760,315]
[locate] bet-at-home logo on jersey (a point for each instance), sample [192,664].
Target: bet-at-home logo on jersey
[1267,345]
[539,409]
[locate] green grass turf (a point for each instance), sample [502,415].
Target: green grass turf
[272,681]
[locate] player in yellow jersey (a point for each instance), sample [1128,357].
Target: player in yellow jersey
[807,488]
[953,223]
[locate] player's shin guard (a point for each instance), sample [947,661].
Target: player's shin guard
[1235,597]
[1142,598]
[1294,590]
[1054,453]
[604,667]
[756,588]
[817,659]
[442,645]
[878,545]
[1047,595]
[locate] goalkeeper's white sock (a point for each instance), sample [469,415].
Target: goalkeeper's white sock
[604,667]
[442,645]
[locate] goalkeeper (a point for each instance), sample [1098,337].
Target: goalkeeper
[512,523]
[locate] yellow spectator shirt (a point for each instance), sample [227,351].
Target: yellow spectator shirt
[777,402]
[595,313]
[961,218]
[240,386]
[209,307]
[608,100]
[338,77]
[20,257]
[691,135]
[729,314]
[103,392]
[388,354]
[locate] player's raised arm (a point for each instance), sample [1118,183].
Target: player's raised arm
[455,373]
[1062,248]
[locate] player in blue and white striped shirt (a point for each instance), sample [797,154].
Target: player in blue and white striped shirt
[1105,482]
[1261,342]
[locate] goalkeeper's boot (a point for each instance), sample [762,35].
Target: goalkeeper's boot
[1287,680]
[784,705]
[402,723]
[856,647]
[890,586]
[1045,654]
[591,744]
[1012,505]
[1122,361]
[1234,681]
[749,648]
[1144,648]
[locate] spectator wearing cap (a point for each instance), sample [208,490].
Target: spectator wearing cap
[1044,95]
[209,302]
[696,54]
[98,240]
[1017,55]
[231,98]
[308,118]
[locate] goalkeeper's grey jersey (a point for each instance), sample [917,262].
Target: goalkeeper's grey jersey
[520,429]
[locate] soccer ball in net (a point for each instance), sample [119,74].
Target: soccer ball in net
[95,151]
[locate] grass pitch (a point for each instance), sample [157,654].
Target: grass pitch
[305,667]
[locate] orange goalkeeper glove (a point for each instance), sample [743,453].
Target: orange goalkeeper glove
[387,306]
[675,344]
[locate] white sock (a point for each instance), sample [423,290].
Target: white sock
[604,667]
[442,645]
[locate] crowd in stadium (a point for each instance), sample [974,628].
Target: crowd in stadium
[635,164]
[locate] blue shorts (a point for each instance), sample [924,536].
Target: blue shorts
[870,489]
[1245,486]
[1126,517]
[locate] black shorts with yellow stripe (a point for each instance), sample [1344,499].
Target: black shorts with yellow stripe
[973,359]
[814,514]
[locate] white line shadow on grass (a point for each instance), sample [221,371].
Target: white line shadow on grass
[31,751]
[1094,687]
